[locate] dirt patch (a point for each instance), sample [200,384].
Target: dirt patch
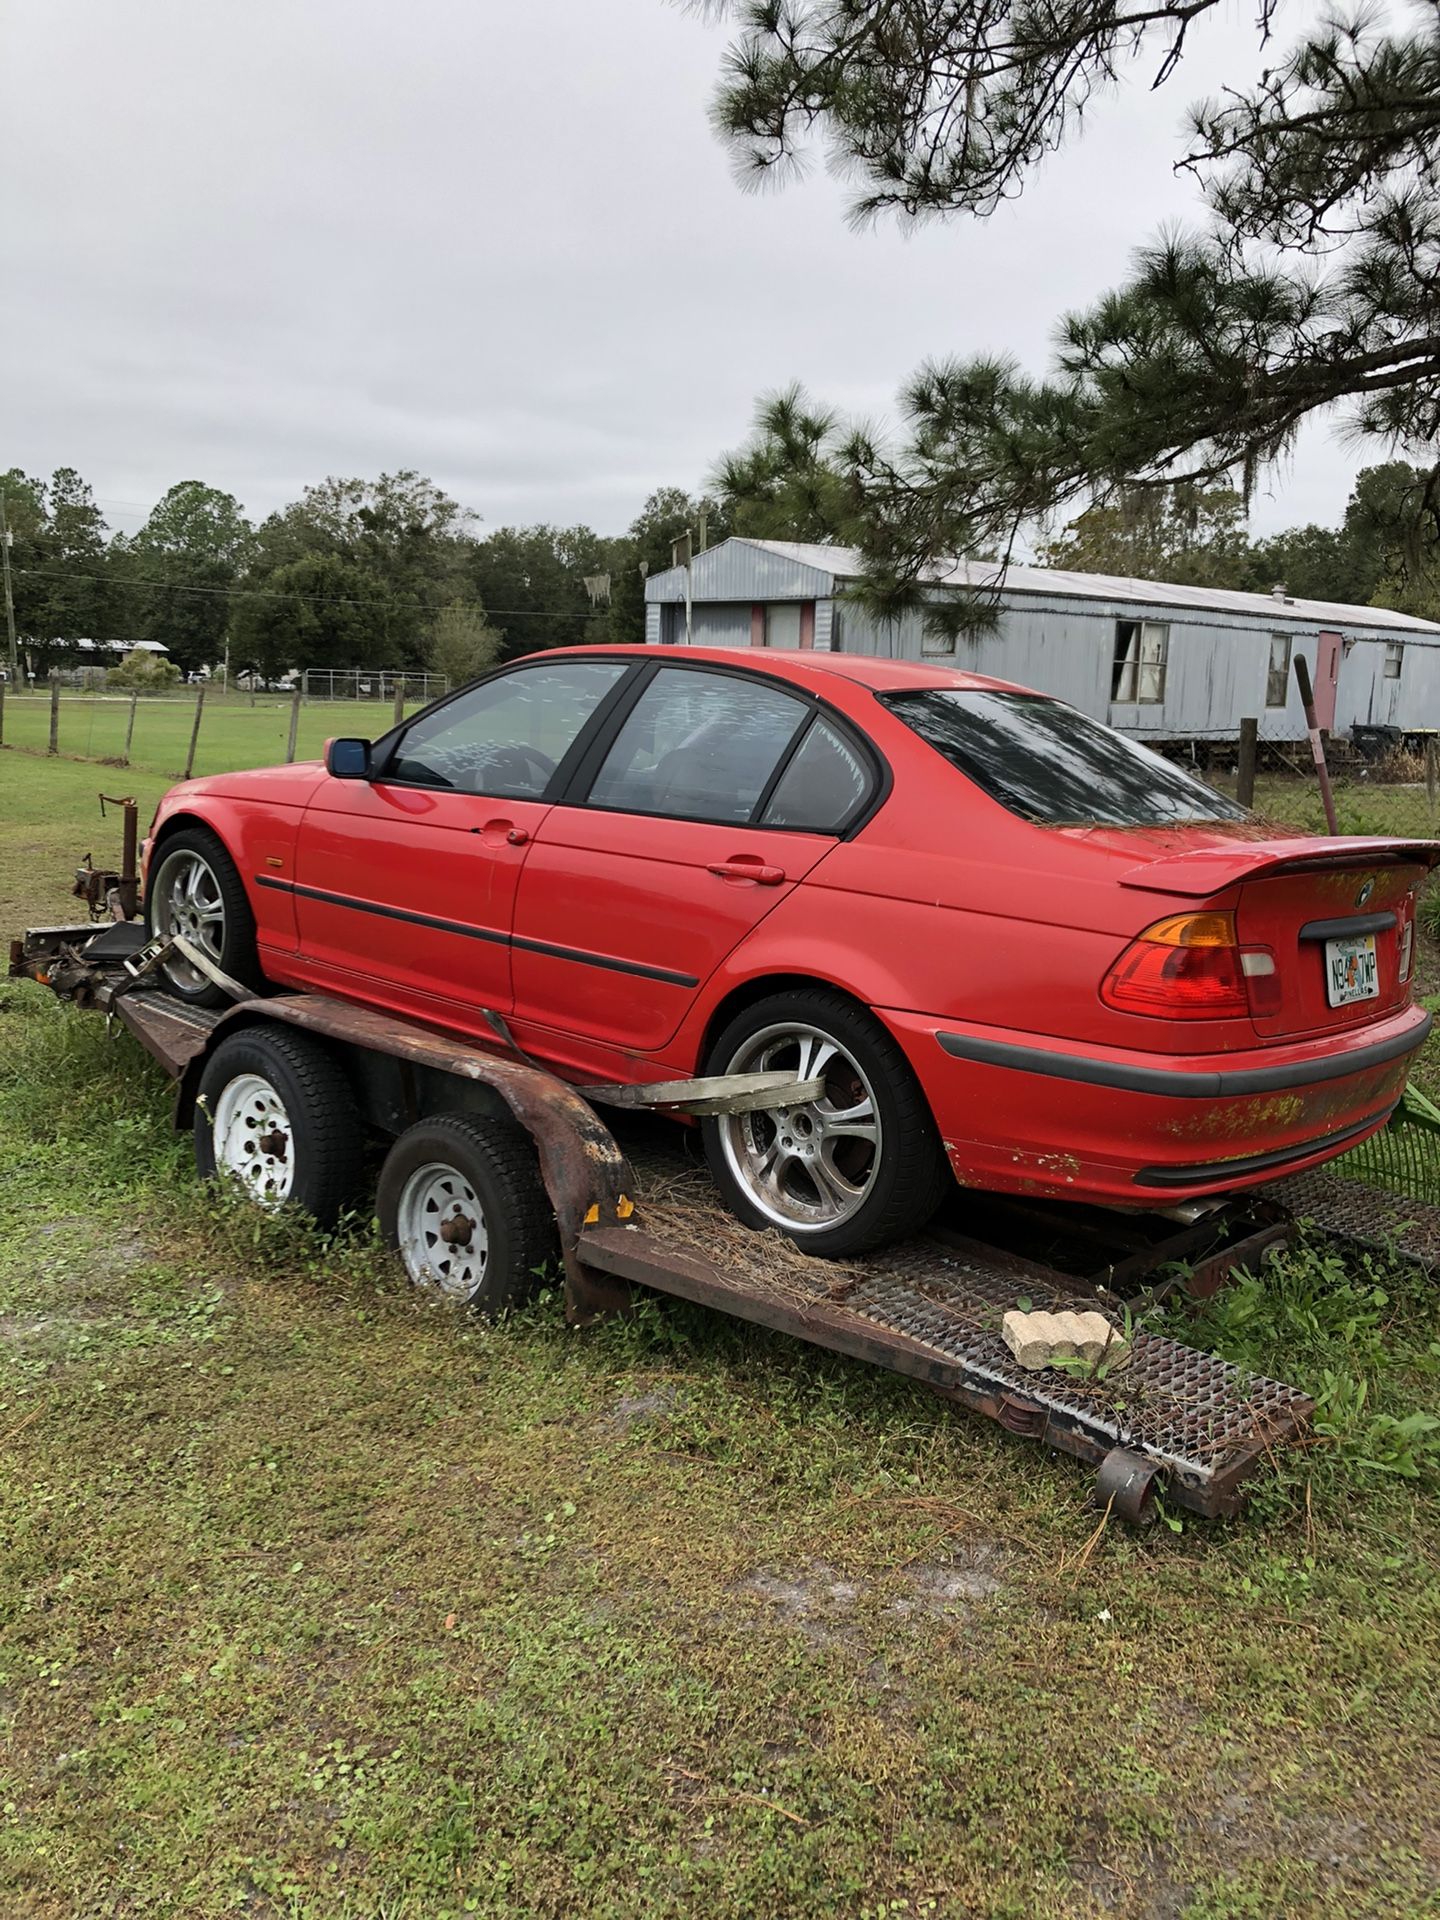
[951,1586]
[818,1600]
[634,1409]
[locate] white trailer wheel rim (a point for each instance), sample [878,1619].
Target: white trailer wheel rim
[187,899]
[812,1166]
[442,1233]
[255,1139]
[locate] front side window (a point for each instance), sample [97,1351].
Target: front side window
[1277,680]
[1137,673]
[1053,765]
[507,736]
[1394,659]
[700,746]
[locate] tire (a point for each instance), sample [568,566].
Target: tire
[275,1112]
[217,915]
[835,1190]
[483,1173]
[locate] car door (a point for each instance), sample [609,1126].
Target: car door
[405,883]
[635,891]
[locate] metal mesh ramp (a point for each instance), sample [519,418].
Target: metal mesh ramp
[1364,1215]
[1202,1418]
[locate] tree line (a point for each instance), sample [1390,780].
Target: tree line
[390,573]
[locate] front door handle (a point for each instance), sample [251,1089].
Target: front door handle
[742,868]
[496,833]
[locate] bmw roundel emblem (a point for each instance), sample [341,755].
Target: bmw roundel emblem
[1365,892]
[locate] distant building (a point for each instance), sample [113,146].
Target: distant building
[1168,662]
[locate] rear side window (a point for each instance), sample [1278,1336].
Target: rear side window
[700,746]
[1051,764]
[823,787]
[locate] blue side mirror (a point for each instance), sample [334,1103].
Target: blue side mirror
[348,759]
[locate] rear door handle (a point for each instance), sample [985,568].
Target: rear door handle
[743,869]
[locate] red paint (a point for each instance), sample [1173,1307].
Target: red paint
[944,913]
[1327,680]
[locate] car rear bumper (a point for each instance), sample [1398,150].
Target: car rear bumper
[1034,1115]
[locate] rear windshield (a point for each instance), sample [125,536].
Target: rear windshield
[1048,763]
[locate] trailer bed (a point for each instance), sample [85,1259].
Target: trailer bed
[639,1210]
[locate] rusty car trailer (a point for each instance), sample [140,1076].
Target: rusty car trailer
[1175,1421]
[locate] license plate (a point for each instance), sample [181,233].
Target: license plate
[1351,972]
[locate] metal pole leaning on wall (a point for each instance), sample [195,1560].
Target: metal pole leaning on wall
[54,746]
[130,724]
[1317,745]
[295,700]
[194,733]
[1245,767]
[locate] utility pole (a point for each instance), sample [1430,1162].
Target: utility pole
[9,597]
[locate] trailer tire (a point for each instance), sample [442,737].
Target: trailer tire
[480,1177]
[275,1113]
[218,917]
[816,1173]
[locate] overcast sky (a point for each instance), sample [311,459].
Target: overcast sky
[254,242]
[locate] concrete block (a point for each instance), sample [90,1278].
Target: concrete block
[1040,1339]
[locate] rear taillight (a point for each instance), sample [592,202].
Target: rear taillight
[1192,967]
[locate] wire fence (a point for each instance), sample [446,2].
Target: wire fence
[198,730]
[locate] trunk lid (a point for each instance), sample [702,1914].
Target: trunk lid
[1337,916]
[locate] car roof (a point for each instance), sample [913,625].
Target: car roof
[805,668]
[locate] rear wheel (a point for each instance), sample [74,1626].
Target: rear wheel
[195,890]
[856,1167]
[275,1116]
[462,1201]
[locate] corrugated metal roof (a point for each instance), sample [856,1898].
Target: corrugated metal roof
[845,563]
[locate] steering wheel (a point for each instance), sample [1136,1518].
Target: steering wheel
[514,760]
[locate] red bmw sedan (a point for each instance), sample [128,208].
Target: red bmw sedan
[1021,951]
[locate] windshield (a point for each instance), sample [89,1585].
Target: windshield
[1051,764]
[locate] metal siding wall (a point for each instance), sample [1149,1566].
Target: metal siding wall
[734,571]
[824,625]
[652,623]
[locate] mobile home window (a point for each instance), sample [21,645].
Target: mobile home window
[1138,671]
[1277,682]
[1394,659]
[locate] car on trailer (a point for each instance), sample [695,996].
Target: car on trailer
[1005,946]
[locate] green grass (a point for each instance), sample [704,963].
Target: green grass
[320,1602]
[234,732]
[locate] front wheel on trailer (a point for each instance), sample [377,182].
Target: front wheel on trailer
[461,1200]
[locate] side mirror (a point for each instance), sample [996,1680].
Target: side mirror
[348,759]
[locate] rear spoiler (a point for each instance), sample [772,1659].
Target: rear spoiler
[1207,870]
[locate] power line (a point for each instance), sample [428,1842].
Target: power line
[123,584]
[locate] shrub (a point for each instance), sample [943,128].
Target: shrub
[146,672]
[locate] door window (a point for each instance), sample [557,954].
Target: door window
[700,746]
[507,736]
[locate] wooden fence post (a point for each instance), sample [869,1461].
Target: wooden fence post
[399,713]
[2,710]
[1432,770]
[295,700]
[1245,769]
[194,734]
[130,724]
[54,713]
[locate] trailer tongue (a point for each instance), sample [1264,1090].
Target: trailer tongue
[1175,1420]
